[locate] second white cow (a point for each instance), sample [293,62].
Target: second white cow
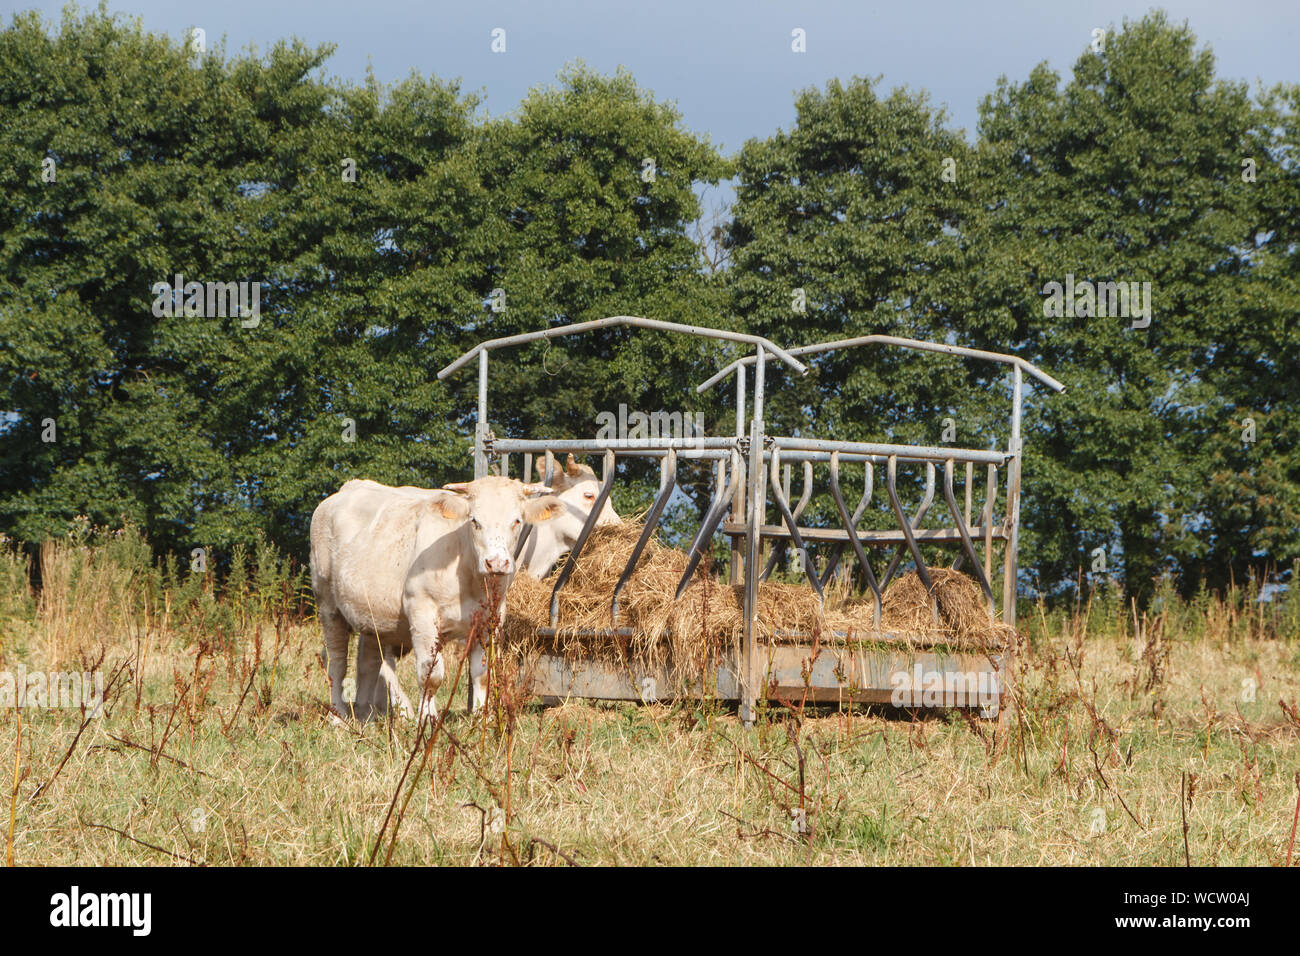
[577,488]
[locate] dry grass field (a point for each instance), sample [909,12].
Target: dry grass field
[1155,739]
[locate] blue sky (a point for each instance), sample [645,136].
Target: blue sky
[728,64]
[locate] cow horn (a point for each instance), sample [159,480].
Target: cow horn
[536,488]
[458,486]
[571,466]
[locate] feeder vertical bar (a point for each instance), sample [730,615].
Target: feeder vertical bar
[921,512]
[737,484]
[891,486]
[481,469]
[778,548]
[850,526]
[607,482]
[838,551]
[666,488]
[968,546]
[987,521]
[757,506]
[721,505]
[970,479]
[481,422]
[1013,506]
[791,521]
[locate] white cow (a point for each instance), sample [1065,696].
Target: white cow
[365,574]
[410,568]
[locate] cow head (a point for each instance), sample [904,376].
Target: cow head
[494,511]
[577,488]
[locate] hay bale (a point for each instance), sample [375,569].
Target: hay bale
[710,616]
[963,612]
[665,628]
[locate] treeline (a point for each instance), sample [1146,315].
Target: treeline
[388,228]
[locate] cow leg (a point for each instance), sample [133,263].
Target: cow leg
[372,698]
[469,684]
[396,696]
[477,676]
[337,638]
[430,670]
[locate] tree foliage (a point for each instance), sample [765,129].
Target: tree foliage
[393,227]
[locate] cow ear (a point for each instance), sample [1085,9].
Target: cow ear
[452,507]
[538,510]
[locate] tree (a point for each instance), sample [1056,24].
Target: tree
[1129,174]
[592,184]
[206,429]
[374,223]
[846,225]
[1251,501]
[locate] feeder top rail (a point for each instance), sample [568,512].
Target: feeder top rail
[904,343]
[636,322]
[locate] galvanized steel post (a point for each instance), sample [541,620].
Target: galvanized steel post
[1013,506]
[481,424]
[738,486]
[757,506]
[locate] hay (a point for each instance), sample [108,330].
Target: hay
[709,616]
[963,612]
[684,632]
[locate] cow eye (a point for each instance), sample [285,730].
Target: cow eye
[590,496]
[474,522]
[518,522]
